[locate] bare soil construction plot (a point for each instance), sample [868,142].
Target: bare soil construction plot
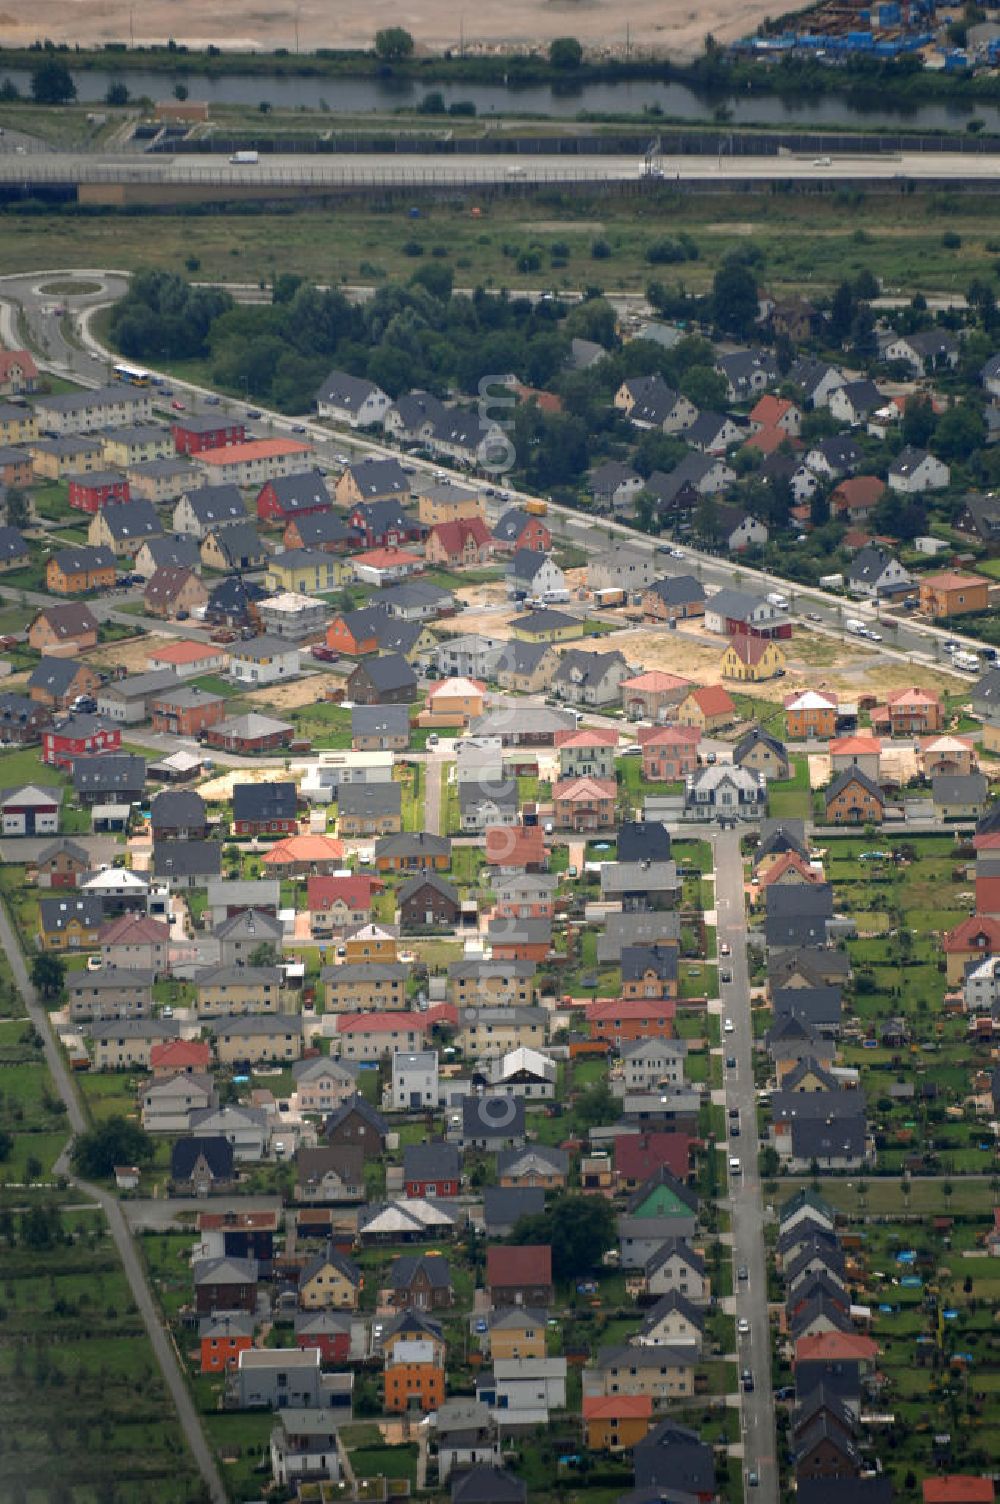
[674,28]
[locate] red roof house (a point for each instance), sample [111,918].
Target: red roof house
[180,1056]
[616,1020]
[516,848]
[958,1488]
[836,1347]
[640,1156]
[857,497]
[460,544]
[519,1276]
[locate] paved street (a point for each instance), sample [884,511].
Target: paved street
[754,1350]
[67,344]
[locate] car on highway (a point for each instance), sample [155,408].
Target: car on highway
[212,401]
[874,636]
[729,1027]
[254,412]
[743,1327]
[343,459]
[677,553]
[813,616]
[298,428]
[743,1272]
[178,406]
[725,949]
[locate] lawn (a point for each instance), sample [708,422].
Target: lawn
[810,241]
[70,1325]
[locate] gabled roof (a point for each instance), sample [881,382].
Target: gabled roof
[712,700]
[69,620]
[849,776]
[217,1153]
[211,504]
[518,1265]
[132,519]
[388,673]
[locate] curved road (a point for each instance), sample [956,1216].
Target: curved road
[134,1272]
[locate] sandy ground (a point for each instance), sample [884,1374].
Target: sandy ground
[305,691]
[674,28]
[219,790]
[133,652]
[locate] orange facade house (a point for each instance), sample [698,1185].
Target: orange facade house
[854,799]
[951,592]
[414,1377]
[616,1422]
[810,714]
[222,1339]
[352,634]
[71,571]
[621,1020]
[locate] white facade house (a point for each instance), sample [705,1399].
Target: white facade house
[914,471]
[351,400]
[263,660]
[255,462]
[415,1082]
[321,777]
[527,1384]
[982,986]
[648,1063]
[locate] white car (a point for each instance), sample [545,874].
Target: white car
[728,1026]
[743,1327]
[724,949]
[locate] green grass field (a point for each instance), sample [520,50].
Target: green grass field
[810,240]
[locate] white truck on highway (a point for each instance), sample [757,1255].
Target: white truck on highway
[968,662]
[244,158]
[855,627]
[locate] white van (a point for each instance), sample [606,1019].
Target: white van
[734,1167]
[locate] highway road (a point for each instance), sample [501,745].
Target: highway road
[754,1347]
[373,169]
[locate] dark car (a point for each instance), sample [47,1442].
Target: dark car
[746,1379]
[743,1272]
[725,976]
[730,1062]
